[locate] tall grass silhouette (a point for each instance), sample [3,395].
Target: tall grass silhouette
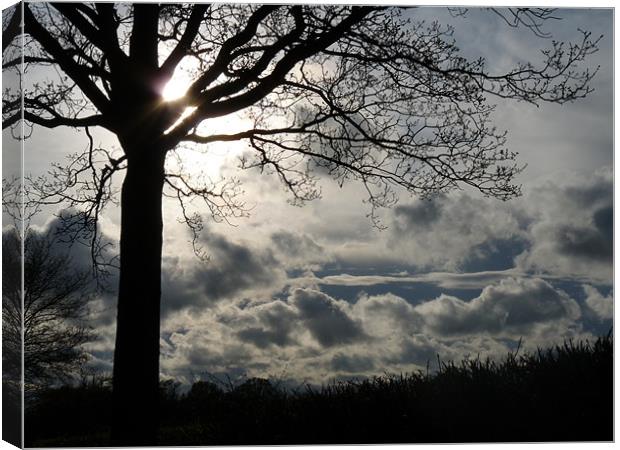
[562,393]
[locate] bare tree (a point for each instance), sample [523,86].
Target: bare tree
[363,93]
[54,310]
[49,312]
[45,318]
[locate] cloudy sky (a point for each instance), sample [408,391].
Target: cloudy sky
[315,293]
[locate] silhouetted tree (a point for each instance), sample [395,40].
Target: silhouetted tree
[44,320]
[362,93]
[54,310]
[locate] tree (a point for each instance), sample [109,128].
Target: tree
[54,310]
[51,308]
[45,319]
[362,93]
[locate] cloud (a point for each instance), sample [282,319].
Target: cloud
[326,318]
[342,362]
[447,280]
[224,315]
[449,230]
[580,242]
[66,230]
[387,315]
[233,269]
[602,306]
[571,232]
[295,245]
[234,314]
[420,215]
[561,227]
[275,323]
[298,250]
[76,247]
[511,307]
[311,336]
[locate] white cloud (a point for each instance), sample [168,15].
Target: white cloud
[561,227]
[571,227]
[510,308]
[445,232]
[447,280]
[602,306]
[314,337]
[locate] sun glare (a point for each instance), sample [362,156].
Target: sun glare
[181,80]
[198,160]
[176,87]
[186,113]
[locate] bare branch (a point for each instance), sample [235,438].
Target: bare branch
[360,93]
[532,18]
[77,73]
[12,30]
[219,65]
[182,47]
[58,121]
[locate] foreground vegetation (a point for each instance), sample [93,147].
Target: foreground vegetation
[563,393]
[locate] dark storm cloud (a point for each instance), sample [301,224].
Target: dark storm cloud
[421,214]
[180,287]
[232,268]
[593,242]
[275,324]
[325,318]
[572,230]
[593,194]
[281,323]
[351,363]
[583,242]
[604,221]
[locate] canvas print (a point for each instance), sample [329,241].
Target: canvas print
[249,224]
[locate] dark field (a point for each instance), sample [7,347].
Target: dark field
[563,393]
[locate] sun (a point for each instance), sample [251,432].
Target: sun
[182,78]
[176,87]
[195,159]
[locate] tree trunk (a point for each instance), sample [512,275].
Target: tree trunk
[136,355]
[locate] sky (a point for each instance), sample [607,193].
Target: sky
[317,293]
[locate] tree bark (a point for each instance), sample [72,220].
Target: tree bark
[136,355]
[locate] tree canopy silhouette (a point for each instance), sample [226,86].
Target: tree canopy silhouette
[362,93]
[54,310]
[46,317]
